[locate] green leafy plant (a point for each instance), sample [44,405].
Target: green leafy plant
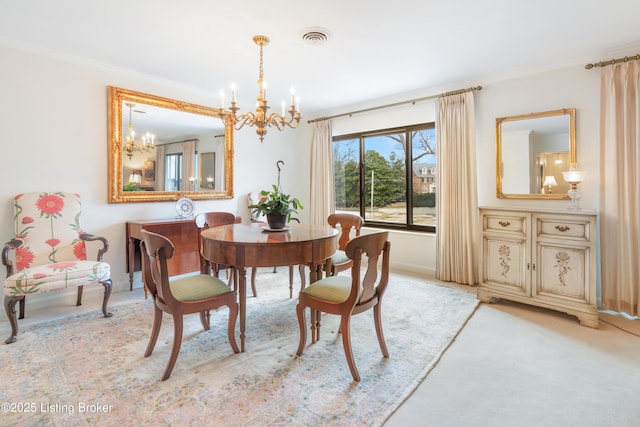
[130,187]
[276,202]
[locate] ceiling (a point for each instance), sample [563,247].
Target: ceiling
[376,49]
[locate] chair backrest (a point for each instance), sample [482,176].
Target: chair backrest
[346,221]
[214,219]
[49,226]
[374,282]
[156,249]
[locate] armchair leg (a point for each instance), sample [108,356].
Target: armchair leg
[10,308]
[22,307]
[79,298]
[107,293]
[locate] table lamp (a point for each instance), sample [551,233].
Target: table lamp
[549,181]
[573,178]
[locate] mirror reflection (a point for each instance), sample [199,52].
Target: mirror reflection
[159,147]
[532,152]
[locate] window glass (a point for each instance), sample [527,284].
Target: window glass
[388,176]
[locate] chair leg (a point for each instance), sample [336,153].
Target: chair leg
[107,293]
[377,318]
[79,298]
[290,281]
[175,348]
[205,319]
[10,309]
[231,328]
[23,309]
[303,328]
[155,330]
[254,270]
[346,342]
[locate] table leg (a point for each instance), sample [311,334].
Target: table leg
[242,289]
[131,261]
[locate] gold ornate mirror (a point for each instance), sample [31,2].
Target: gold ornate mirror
[154,146]
[532,151]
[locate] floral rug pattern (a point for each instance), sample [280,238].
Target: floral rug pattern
[87,370]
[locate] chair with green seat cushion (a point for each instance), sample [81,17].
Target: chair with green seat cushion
[349,295]
[347,221]
[192,294]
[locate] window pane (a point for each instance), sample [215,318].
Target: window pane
[173,172]
[385,178]
[423,144]
[346,177]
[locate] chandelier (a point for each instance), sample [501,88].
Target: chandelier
[260,118]
[147,140]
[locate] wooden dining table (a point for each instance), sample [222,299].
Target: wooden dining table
[255,245]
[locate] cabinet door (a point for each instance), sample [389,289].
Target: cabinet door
[506,264]
[562,272]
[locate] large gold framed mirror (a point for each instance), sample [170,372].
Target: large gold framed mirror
[158,148]
[532,151]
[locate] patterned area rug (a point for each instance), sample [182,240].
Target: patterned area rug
[87,370]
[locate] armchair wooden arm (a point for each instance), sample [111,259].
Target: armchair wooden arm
[91,237]
[11,245]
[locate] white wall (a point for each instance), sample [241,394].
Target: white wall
[53,119]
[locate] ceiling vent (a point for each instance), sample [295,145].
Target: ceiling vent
[315,36]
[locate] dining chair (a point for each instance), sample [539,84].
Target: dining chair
[347,222]
[346,296]
[213,219]
[191,294]
[49,252]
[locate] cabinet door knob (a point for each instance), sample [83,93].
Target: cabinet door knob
[504,223]
[562,228]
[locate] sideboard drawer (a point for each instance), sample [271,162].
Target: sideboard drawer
[571,229]
[505,223]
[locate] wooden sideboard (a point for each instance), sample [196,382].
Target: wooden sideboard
[182,232]
[540,257]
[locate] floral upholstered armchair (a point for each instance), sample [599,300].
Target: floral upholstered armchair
[48,252]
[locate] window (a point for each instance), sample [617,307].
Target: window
[173,172]
[371,176]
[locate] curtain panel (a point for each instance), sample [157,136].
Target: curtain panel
[321,191]
[457,193]
[620,181]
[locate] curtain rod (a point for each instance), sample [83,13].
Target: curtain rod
[412,101]
[613,61]
[179,142]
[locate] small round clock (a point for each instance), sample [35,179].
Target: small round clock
[184,207]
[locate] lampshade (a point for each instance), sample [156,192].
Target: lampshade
[550,180]
[136,176]
[574,177]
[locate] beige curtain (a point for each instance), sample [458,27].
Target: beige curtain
[457,193]
[188,163]
[160,151]
[321,191]
[620,182]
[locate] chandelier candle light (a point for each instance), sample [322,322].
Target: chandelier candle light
[147,140]
[573,178]
[260,118]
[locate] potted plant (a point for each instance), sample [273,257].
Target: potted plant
[276,206]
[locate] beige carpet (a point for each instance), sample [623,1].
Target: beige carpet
[87,370]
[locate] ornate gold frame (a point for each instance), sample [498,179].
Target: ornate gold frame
[116,97]
[571,112]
